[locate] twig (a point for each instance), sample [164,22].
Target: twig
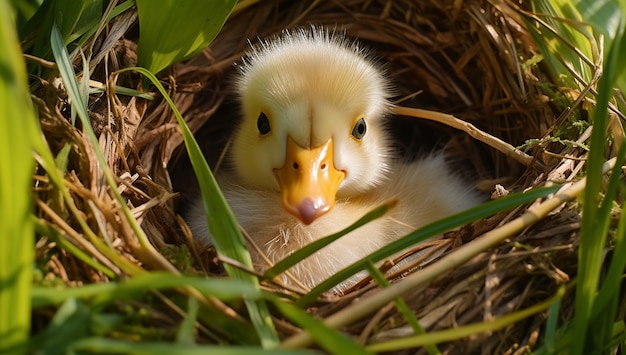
[474,132]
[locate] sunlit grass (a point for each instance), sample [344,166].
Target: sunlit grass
[17,128]
[177,29]
[597,296]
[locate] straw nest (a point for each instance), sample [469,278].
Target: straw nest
[465,58]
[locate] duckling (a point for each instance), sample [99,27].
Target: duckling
[312,155]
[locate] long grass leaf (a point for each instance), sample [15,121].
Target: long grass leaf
[72,19]
[456,333]
[95,24]
[24,10]
[55,236]
[186,330]
[313,247]
[592,243]
[105,293]
[566,47]
[606,303]
[428,231]
[227,237]
[116,346]
[610,285]
[329,338]
[69,79]
[603,15]
[70,323]
[458,257]
[177,29]
[402,307]
[549,341]
[17,127]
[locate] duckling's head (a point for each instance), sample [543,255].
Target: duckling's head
[312,107]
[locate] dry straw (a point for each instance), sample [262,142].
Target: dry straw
[465,64]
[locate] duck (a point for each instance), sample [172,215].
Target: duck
[312,154]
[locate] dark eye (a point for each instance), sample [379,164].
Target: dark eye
[263,124]
[359,129]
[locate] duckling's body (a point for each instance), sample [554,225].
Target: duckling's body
[312,156]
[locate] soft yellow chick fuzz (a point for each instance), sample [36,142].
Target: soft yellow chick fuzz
[313,86]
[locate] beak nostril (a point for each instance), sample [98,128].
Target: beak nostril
[323,167]
[296,166]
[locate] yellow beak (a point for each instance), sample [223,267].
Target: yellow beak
[309,180]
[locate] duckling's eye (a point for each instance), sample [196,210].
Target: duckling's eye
[263,124]
[359,129]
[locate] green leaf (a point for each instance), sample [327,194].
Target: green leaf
[313,247]
[460,332]
[329,338]
[590,335]
[105,293]
[70,323]
[227,237]
[187,327]
[115,346]
[24,10]
[603,15]
[174,30]
[17,127]
[567,47]
[428,231]
[402,307]
[72,18]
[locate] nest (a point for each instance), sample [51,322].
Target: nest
[464,58]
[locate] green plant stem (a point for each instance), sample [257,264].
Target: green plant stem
[594,225]
[17,128]
[408,315]
[461,332]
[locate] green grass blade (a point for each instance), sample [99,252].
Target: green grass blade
[603,15]
[550,337]
[457,333]
[72,19]
[17,126]
[611,284]
[95,24]
[402,307]
[80,107]
[70,323]
[105,293]
[567,49]
[88,18]
[24,10]
[55,236]
[186,330]
[606,301]
[116,346]
[328,338]
[428,231]
[311,248]
[227,237]
[175,30]
[588,337]
[67,73]
[120,90]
